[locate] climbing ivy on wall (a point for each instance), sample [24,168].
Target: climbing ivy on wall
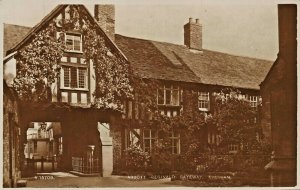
[38,62]
[37,65]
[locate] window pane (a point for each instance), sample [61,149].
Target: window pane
[160,96]
[152,144]
[147,145]
[77,44]
[82,78]
[69,42]
[203,100]
[153,133]
[176,146]
[74,77]
[73,42]
[168,97]
[146,133]
[175,97]
[66,76]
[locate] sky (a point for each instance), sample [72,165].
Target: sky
[246,28]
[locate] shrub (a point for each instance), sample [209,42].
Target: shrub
[136,158]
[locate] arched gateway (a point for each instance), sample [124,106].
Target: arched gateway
[75,134]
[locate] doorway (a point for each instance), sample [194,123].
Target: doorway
[107,149]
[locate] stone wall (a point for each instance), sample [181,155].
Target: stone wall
[11,151]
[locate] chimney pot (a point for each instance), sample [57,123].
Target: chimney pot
[197,20]
[190,20]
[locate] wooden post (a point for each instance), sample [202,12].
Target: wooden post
[42,164]
[53,168]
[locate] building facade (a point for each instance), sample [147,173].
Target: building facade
[187,78]
[279,94]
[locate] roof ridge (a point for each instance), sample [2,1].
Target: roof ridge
[8,24]
[150,40]
[235,55]
[181,45]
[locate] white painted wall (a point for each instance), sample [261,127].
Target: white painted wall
[10,71]
[107,148]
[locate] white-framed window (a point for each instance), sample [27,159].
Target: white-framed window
[203,101]
[168,95]
[73,41]
[74,77]
[233,148]
[150,137]
[253,101]
[175,142]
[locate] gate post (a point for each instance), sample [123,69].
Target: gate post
[42,163]
[53,168]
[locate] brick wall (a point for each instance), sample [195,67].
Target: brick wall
[193,35]
[105,15]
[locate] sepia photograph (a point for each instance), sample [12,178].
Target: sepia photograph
[149,94]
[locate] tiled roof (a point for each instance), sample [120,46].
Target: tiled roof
[148,61]
[168,61]
[160,60]
[52,15]
[13,34]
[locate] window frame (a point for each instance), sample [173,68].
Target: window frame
[172,89]
[205,101]
[64,39]
[233,148]
[150,138]
[253,100]
[69,87]
[173,142]
[73,35]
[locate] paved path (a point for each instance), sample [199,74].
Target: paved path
[67,180]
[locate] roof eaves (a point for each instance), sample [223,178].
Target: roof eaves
[8,57]
[269,72]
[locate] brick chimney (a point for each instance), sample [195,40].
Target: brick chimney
[105,15]
[193,35]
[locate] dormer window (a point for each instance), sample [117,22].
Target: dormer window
[73,42]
